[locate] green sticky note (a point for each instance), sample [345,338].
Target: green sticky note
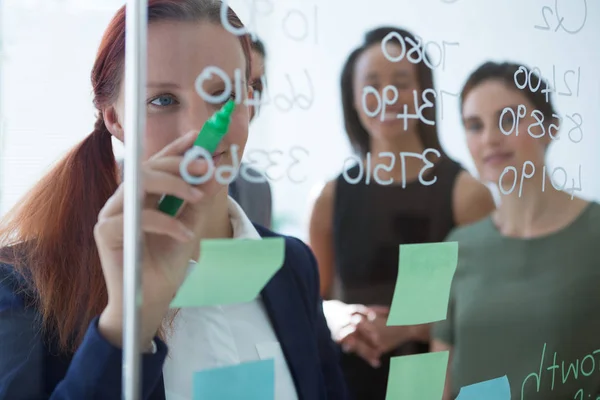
[230,271]
[425,273]
[420,376]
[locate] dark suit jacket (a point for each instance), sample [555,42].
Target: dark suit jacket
[254,197]
[32,369]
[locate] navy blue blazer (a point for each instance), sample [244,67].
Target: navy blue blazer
[31,368]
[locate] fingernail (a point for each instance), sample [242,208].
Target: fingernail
[345,348]
[198,164]
[189,234]
[196,193]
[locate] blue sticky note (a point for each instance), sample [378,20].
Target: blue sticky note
[494,389]
[247,381]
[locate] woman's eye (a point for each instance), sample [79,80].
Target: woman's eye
[163,101]
[257,85]
[232,96]
[507,122]
[473,127]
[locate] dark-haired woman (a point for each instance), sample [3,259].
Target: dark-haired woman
[524,300]
[61,284]
[356,228]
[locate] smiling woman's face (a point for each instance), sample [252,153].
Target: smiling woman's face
[374,69]
[177,53]
[492,150]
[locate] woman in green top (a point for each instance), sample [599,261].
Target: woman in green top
[525,297]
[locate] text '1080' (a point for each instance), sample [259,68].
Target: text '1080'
[418,51]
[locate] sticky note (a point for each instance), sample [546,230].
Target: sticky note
[247,381]
[420,376]
[494,389]
[230,271]
[425,273]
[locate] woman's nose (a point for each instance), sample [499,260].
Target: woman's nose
[195,117]
[492,134]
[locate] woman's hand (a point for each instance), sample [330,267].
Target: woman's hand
[387,338]
[168,242]
[390,337]
[352,327]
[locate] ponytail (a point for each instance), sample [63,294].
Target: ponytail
[51,241]
[48,238]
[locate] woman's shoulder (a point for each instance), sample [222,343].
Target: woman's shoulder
[14,288]
[475,231]
[17,293]
[593,207]
[448,167]
[295,249]
[298,258]
[586,222]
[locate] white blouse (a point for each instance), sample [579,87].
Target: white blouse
[219,336]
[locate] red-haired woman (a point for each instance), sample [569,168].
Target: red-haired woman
[61,317]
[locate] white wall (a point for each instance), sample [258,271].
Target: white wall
[46,90]
[485,30]
[46,101]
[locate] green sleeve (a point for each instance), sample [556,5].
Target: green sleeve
[443,331]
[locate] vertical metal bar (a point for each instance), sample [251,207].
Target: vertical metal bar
[2,124]
[136,27]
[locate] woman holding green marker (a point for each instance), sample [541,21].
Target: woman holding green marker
[61,280]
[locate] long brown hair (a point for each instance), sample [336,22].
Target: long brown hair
[48,237]
[357,134]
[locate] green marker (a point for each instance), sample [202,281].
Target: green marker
[209,138]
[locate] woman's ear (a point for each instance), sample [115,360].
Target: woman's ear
[113,123]
[253,109]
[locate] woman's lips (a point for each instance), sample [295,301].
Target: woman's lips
[217,157]
[497,158]
[391,116]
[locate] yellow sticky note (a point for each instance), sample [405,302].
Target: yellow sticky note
[230,271]
[425,273]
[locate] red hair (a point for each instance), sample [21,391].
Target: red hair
[48,237]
